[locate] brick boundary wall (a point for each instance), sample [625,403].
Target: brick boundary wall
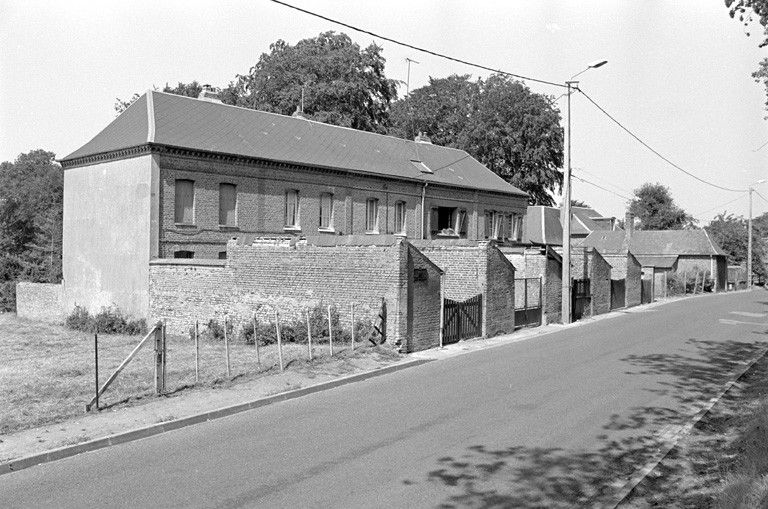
[634,288]
[591,265]
[473,268]
[259,276]
[532,262]
[40,301]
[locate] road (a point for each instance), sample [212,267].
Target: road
[551,421]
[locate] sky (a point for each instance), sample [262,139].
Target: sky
[678,74]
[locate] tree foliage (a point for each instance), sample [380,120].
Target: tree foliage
[31,191]
[745,11]
[342,83]
[579,203]
[656,210]
[499,121]
[731,233]
[191,89]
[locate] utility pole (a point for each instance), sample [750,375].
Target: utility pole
[565,218]
[408,77]
[749,242]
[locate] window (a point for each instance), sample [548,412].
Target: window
[292,209]
[488,224]
[184,254]
[372,215]
[227,205]
[446,221]
[517,228]
[498,219]
[185,202]
[509,225]
[326,211]
[400,217]
[222,255]
[461,223]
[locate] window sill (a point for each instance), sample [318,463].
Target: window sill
[376,232]
[447,236]
[291,228]
[326,230]
[185,225]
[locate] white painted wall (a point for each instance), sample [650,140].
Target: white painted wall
[108,240]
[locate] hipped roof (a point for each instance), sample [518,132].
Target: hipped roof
[543,226]
[175,121]
[656,242]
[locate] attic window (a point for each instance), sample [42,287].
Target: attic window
[423,168]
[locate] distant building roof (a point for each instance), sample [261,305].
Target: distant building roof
[163,119]
[656,242]
[661,262]
[543,226]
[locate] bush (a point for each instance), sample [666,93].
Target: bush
[107,321]
[8,296]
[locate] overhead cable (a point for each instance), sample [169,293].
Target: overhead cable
[663,158]
[417,48]
[601,187]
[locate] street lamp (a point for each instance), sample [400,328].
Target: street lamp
[749,233]
[565,218]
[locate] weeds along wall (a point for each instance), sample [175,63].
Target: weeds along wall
[261,276]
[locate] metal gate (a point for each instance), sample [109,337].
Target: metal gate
[618,293]
[581,299]
[462,319]
[527,302]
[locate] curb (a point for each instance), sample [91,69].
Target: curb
[157,429]
[626,489]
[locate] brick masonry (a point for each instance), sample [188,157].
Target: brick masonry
[537,262]
[40,301]
[473,268]
[634,281]
[265,275]
[589,264]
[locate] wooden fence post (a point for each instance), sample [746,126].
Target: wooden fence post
[96,363]
[256,341]
[165,354]
[330,330]
[197,351]
[309,335]
[352,313]
[279,340]
[226,347]
[158,359]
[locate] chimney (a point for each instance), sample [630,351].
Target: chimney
[629,223]
[210,94]
[422,138]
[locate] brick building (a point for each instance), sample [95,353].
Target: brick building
[177,177]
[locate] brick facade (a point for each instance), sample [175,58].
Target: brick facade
[40,301]
[633,282]
[589,264]
[260,208]
[545,264]
[262,276]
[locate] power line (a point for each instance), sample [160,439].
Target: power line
[633,135]
[601,187]
[584,170]
[718,206]
[417,48]
[760,147]
[761,196]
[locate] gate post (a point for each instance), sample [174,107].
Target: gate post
[159,358]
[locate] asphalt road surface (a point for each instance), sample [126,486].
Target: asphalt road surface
[551,421]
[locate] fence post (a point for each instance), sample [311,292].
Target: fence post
[352,313]
[165,354]
[279,341]
[309,335]
[158,358]
[330,331]
[96,362]
[197,351]
[256,341]
[226,346]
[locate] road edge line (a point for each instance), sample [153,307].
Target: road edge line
[163,427]
[643,472]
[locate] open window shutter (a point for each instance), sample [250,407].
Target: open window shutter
[462,228]
[433,220]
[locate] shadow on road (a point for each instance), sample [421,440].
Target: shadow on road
[520,476]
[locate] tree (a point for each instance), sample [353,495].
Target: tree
[730,232]
[191,89]
[579,203]
[341,84]
[31,191]
[654,207]
[744,11]
[499,121]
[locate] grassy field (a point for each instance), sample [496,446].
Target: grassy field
[47,371]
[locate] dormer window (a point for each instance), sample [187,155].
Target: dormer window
[423,168]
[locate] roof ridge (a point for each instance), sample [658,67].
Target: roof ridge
[411,142]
